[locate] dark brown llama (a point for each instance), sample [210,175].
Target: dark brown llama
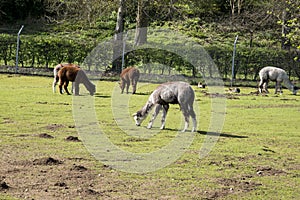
[76,75]
[55,73]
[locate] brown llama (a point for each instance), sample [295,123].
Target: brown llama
[169,93]
[55,73]
[76,75]
[130,74]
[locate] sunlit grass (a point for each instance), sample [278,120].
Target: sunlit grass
[259,132]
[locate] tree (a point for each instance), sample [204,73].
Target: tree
[118,38]
[293,22]
[141,22]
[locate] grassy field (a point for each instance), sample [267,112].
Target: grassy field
[43,156]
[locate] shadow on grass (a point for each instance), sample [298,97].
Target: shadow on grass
[102,96]
[221,134]
[211,133]
[142,93]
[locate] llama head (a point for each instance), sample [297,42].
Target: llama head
[295,90]
[138,118]
[92,89]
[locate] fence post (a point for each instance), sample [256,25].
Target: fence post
[123,51]
[17,53]
[233,54]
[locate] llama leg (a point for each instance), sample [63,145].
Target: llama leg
[61,83]
[266,87]
[54,84]
[260,86]
[60,89]
[157,109]
[73,87]
[278,87]
[127,86]
[76,88]
[66,87]
[193,116]
[164,114]
[133,86]
[186,117]
[122,85]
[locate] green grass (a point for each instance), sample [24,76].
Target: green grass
[256,156]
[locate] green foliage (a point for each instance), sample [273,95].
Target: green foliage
[68,34]
[42,51]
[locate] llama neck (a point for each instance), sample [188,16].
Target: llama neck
[289,84]
[147,108]
[87,83]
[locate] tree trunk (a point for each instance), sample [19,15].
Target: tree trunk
[141,23]
[232,6]
[285,42]
[118,39]
[240,3]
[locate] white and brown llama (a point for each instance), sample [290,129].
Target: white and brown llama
[277,75]
[169,93]
[76,75]
[127,76]
[55,73]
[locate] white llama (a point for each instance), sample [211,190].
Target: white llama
[277,75]
[169,93]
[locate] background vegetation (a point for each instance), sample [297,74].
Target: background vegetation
[66,31]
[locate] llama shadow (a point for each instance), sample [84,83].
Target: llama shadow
[221,134]
[102,96]
[142,93]
[211,133]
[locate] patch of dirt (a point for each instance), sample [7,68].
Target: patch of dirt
[45,135]
[7,120]
[61,184]
[41,102]
[268,171]
[3,186]
[54,127]
[232,186]
[184,161]
[214,95]
[47,161]
[79,168]
[72,138]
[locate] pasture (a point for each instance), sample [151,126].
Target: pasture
[42,156]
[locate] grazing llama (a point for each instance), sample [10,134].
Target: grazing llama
[169,93]
[55,73]
[76,75]
[277,75]
[128,75]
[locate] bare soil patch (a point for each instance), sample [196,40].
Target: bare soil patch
[3,186]
[232,186]
[269,171]
[45,135]
[54,127]
[72,139]
[47,161]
